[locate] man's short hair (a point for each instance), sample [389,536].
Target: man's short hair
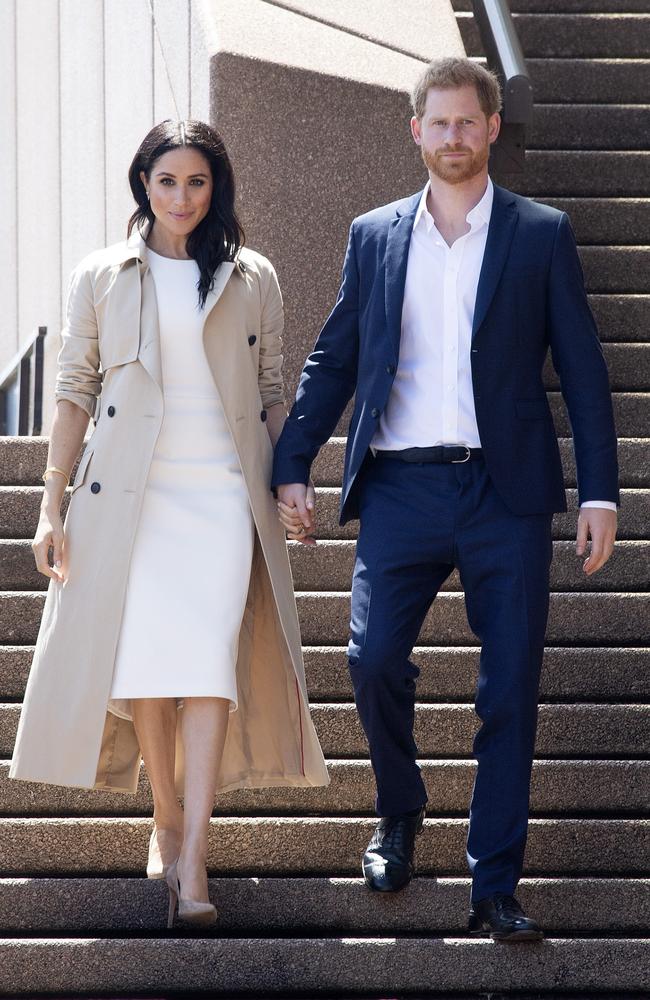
[452,72]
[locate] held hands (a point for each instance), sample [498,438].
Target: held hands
[600,525]
[296,505]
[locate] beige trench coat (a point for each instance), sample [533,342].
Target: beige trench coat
[111,344]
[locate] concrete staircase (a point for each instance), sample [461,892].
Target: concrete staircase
[78,917]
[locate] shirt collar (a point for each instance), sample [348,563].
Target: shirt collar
[476,216]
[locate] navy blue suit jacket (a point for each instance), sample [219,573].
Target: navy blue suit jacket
[530,297]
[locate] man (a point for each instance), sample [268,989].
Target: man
[449,302]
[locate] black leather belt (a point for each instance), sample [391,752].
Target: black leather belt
[456,454]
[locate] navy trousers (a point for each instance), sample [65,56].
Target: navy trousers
[418,522]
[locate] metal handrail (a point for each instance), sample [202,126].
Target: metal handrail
[505,56]
[21,389]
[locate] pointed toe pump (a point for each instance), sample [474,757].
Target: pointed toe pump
[155,866]
[190,911]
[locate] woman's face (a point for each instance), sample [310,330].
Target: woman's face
[180,189]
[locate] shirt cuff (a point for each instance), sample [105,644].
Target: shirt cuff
[602,504]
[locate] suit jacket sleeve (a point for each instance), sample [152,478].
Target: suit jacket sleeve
[78,378]
[579,362]
[327,382]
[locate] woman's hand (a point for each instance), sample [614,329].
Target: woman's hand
[296,506]
[49,535]
[66,437]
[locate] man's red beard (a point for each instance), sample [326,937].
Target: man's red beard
[455,171]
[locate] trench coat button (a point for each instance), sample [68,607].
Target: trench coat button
[111,411]
[263,416]
[95,488]
[252,339]
[241,266]
[390,369]
[374,412]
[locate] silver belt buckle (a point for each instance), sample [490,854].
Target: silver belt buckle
[461,461]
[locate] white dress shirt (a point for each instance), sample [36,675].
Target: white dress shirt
[432,400]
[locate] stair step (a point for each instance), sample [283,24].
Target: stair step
[601,81]
[575,619]
[267,905]
[633,516]
[571,36]
[631,412]
[307,845]
[19,507]
[22,461]
[608,221]
[622,317]
[576,173]
[559,787]
[329,567]
[448,730]
[567,6]
[19,514]
[617,269]
[448,673]
[590,126]
[633,458]
[358,964]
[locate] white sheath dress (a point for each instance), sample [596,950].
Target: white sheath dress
[191,560]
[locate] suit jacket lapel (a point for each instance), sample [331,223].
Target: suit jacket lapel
[397,252]
[503,221]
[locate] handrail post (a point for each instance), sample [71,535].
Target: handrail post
[505,56]
[39,360]
[21,389]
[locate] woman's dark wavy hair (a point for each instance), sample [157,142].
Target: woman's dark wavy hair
[219,235]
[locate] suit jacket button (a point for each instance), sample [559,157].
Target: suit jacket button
[95,488]
[263,416]
[111,411]
[252,339]
[241,266]
[390,369]
[374,412]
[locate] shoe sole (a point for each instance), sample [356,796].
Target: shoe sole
[511,938]
[376,888]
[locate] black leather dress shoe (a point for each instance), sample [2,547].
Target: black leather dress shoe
[388,861]
[503,918]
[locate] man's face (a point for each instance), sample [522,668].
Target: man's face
[454,134]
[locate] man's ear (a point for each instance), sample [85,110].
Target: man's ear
[494,127]
[416,131]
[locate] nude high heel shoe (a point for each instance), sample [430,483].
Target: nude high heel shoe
[189,910]
[155,866]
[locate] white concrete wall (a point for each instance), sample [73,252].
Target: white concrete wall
[81,83]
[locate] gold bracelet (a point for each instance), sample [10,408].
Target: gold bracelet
[53,468]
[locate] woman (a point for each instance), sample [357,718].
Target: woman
[170,628]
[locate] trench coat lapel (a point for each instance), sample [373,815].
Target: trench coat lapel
[221,277]
[150,352]
[149,356]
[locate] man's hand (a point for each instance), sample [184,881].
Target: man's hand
[599,525]
[296,505]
